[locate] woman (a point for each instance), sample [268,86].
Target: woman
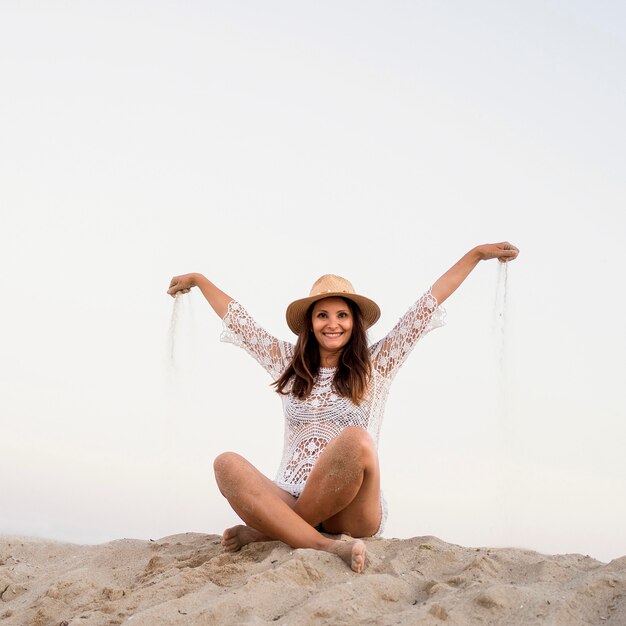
[333,389]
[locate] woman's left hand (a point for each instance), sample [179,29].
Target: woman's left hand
[504,251]
[447,284]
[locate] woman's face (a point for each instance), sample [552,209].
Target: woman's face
[332,324]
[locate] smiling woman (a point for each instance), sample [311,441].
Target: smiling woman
[333,387]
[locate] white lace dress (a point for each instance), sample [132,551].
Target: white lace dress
[311,423]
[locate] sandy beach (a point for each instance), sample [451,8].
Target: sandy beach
[188,579]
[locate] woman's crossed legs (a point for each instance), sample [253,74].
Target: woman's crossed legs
[342,492]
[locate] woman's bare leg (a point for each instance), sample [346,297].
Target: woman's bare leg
[236,537]
[343,489]
[261,508]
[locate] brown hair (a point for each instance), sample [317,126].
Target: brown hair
[354,369]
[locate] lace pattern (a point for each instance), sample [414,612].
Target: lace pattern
[240,329]
[389,353]
[311,423]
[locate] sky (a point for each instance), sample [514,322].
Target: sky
[263,145]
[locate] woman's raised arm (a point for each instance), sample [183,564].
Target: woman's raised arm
[218,300]
[445,286]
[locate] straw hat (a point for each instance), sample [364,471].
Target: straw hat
[330,286]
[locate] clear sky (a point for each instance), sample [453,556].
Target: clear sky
[264,144]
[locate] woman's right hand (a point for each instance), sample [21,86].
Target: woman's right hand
[218,300]
[181,284]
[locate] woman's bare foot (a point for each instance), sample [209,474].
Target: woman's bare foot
[239,536]
[352,552]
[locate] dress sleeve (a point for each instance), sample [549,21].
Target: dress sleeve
[239,328]
[389,353]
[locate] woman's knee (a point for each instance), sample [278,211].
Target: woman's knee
[358,437]
[358,440]
[226,464]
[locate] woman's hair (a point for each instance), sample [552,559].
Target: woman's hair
[353,370]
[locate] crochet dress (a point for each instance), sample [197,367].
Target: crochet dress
[311,423]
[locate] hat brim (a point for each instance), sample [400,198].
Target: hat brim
[296,311]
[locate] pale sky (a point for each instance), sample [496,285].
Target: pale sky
[264,144]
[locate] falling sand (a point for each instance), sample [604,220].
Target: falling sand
[176,307]
[500,333]
[182,335]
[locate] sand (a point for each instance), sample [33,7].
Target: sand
[187,579]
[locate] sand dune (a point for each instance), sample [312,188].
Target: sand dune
[187,579]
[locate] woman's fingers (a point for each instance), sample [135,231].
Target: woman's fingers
[509,247]
[179,284]
[503,251]
[175,286]
[508,254]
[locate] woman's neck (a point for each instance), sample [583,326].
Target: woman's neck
[329,359]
